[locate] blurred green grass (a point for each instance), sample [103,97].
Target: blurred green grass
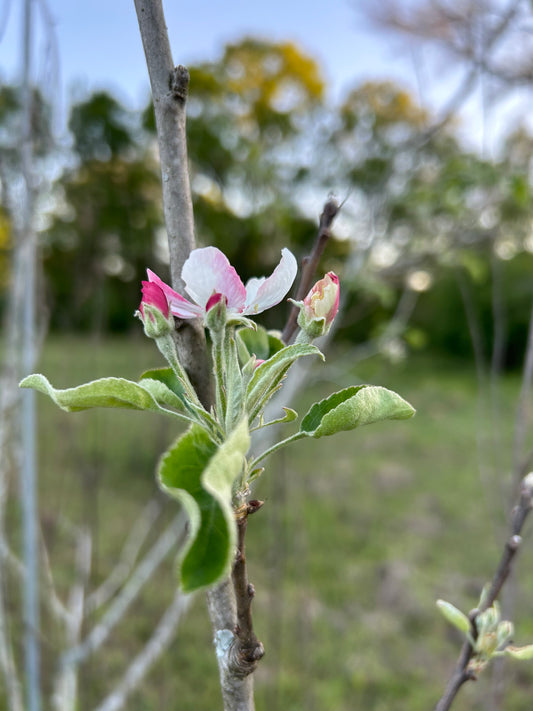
[360,534]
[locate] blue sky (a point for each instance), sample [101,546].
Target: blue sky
[98,45]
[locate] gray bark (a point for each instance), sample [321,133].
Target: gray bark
[169,92]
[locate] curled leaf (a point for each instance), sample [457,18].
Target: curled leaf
[353,407]
[105,392]
[200,475]
[522,653]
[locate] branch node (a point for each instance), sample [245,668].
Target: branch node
[254,506]
[179,83]
[514,542]
[251,590]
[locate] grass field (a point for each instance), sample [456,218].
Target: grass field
[359,536]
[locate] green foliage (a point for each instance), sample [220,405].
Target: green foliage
[201,477]
[257,342]
[449,333]
[262,138]
[354,407]
[108,392]
[346,564]
[100,128]
[268,376]
[454,616]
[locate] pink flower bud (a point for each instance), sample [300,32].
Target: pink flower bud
[153,295]
[322,302]
[154,311]
[215,299]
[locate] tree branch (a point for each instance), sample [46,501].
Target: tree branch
[462,673]
[169,93]
[119,606]
[136,538]
[310,264]
[158,642]
[247,650]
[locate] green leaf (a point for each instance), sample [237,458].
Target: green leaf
[353,407]
[201,476]
[454,616]
[522,653]
[168,378]
[268,376]
[161,393]
[290,416]
[258,342]
[105,392]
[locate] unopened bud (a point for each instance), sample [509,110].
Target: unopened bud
[504,633]
[215,313]
[154,311]
[320,306]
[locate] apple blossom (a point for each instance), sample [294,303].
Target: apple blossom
[320,306]
[209,277]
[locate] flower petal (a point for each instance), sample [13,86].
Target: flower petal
[153,295]
[263,293]
[179,306]
[208,271]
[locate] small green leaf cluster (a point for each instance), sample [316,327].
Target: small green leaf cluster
[207,469]
[488,635]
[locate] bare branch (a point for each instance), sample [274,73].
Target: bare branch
[66,685]
[120,605]
[136,538]
[158,642]
[521,461]
[247,650]
[462,673]
[310,264]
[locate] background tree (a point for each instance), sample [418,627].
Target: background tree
[103,230]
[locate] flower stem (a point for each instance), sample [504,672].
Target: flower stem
[217,338]
[168,350]
[274,448]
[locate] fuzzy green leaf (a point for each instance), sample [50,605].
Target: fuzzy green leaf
[353,407]
[454,616]
[168,378]
[161,392]
[290,416]
[105,392]
[268,376]
[201,475]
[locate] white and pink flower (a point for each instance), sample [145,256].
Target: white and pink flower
[209,278]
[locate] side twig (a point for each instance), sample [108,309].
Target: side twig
[310,264]
[462,672]
[142,663]
[247,650]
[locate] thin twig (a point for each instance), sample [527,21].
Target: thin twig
[310,264]
[156,645]
[65,696]
[247,650]
[462,672]
[121,603]
[136,538]
[521,459]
